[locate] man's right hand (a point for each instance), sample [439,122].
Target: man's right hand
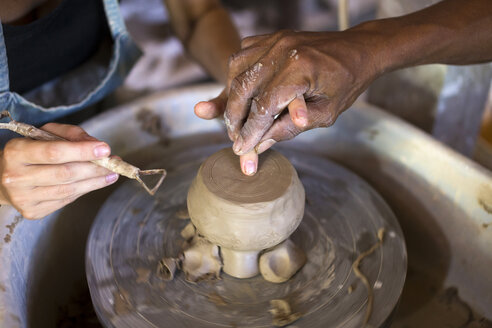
[39,177]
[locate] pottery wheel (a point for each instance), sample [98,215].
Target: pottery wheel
[133,231]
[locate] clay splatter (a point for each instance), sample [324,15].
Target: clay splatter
[363,278]
[485,198]
[282,313]
[143,275]
[121,303]
[2,288]
[216,299]
[8,237]
[12,226]
[149,121]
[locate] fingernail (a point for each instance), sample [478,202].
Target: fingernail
[111,177]
[301,117]
[101,151]
[264,145]
[250,167]
[238,144]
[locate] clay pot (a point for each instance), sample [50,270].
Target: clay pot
[245,214]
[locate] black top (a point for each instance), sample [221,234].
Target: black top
[54,44]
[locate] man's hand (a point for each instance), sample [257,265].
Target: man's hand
[315,76]
[39,177]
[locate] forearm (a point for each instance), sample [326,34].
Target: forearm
[213,41]
[206,31]
[455,32]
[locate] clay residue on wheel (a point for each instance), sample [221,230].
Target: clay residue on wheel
[143,275]
[485,198]
[282,313]
[149,121]
[363,278]
[216,299]
[121,299]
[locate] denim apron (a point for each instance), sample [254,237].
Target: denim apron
[75,90]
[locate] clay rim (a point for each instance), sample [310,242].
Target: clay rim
[222,176]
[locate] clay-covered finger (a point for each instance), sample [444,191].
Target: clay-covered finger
[213,108]
[63,191]
[265,108]
[67,131]
[50,175]
[249,163]
[282,129]
[246,72]
[54,152]
[298,111]
[319,114]
[256,125]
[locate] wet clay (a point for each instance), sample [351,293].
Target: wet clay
[244,215]
[485,198]
[143,275]
[279,264]
[363,278]
[201,261]
[166,268]
[121,301]
[282,313]
[222,176]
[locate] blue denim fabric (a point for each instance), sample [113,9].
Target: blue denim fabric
[124,54]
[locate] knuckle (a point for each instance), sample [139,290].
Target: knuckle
[291,131]
[239,86]
[326,121]
[233,60]
[53,153]
[306,57]
[18,199]
[247,41]
[69,200]
[282,33]
[11,148]
[259,107]
[29,214]
[9,177]
[32,214]
[286,40]
[65,173]
[64,190]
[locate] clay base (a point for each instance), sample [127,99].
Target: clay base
[240,264]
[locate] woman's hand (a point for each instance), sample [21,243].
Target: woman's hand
[39,177]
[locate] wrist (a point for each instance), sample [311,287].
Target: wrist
[406,41]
